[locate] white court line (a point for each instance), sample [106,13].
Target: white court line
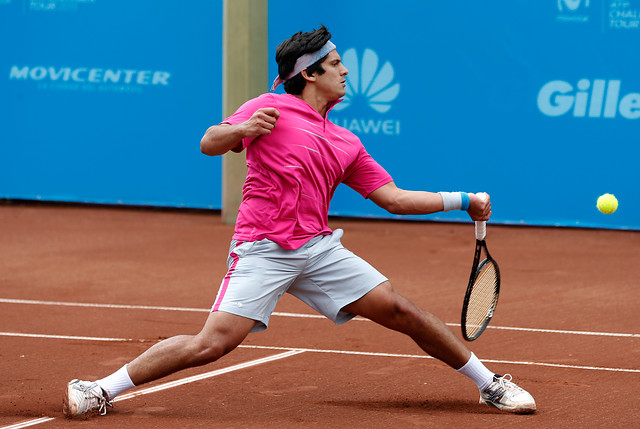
[554,365]
[348,352]
[140,307]
[65,337]
[307,316]
[90,305]
[29,423]
[169,385]
[560,331]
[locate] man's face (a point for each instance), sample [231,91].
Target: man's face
[332,82]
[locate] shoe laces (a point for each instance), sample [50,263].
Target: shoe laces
[93,397]
[505,380]
[501,386]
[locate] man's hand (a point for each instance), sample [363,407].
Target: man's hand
[219,139]
[261,122]
[479,209]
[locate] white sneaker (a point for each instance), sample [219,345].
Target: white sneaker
[507,396]
[84,397]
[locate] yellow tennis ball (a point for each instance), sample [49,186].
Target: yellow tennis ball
[607,203]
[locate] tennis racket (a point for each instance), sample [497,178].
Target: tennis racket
[481,298]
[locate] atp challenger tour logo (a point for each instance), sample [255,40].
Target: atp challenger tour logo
[90,79]
[597,99]
[370,88]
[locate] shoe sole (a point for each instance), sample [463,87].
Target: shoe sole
[530,409]
[66,407]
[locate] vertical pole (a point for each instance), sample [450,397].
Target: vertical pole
[245,76]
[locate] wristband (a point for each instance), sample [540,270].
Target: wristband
[455,200]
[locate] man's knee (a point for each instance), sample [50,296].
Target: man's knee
[219,336]
[209,349]
[401,309]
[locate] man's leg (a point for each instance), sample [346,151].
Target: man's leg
[221,333]
[388,308]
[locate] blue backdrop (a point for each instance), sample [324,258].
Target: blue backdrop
[106,101]
[535,102]
[500,97]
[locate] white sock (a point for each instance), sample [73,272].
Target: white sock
[476,371]
[116,383]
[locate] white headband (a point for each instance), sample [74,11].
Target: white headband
[305,61]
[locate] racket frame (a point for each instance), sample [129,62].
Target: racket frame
[475,271]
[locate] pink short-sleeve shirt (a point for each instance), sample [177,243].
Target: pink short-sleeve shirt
[294,171]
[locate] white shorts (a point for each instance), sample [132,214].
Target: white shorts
[321,273]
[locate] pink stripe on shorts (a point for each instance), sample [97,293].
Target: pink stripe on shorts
[225,282]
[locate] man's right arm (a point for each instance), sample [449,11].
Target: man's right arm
[220,139]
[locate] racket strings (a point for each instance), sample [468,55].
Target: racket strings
[483,299]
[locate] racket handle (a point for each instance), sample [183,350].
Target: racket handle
[481,230]
[481,226]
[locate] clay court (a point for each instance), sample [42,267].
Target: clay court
[86,289]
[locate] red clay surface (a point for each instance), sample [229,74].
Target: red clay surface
[552,279]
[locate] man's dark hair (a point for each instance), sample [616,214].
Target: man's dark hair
[293,48]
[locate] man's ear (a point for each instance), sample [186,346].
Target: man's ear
[308,77]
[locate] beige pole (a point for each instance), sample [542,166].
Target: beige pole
[245,76]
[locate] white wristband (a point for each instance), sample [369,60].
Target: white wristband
[455,200]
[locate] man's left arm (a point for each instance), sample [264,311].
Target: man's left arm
[403,202]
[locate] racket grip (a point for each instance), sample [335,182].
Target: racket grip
[481,230]
[481,226]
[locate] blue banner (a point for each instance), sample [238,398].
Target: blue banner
[106,101]
[534,102]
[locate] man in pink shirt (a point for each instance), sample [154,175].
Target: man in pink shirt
[296,158]
[294,171]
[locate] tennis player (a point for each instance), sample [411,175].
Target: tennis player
[296,159]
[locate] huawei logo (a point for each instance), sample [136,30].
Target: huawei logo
[571,4]
[369,81]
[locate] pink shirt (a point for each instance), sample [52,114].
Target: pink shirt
[294,171]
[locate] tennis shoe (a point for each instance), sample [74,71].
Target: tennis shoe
[505,395]
[84,397]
